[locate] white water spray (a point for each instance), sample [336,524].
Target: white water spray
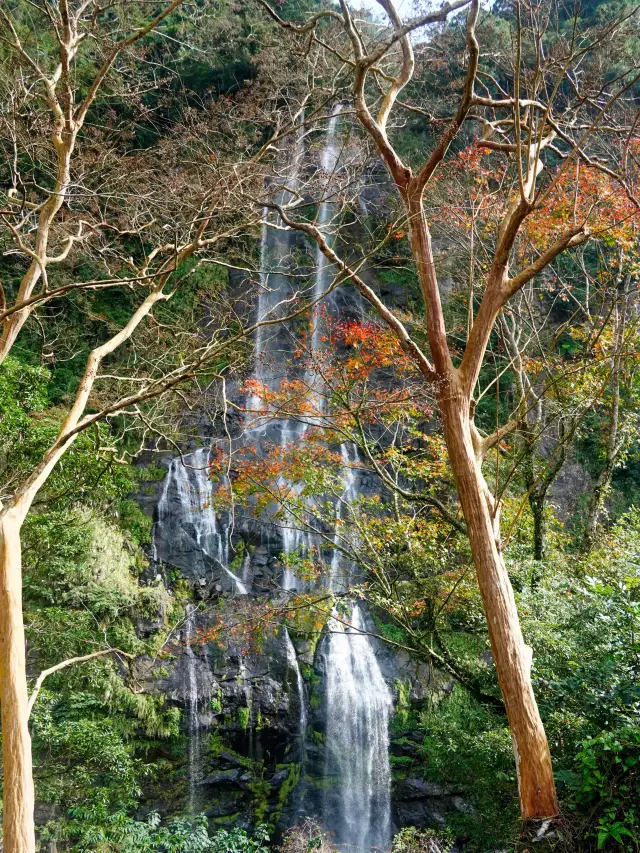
[328,164]
[339,575]
[358,701]
[276,244]
[187,519]
[292,660]
[191,707]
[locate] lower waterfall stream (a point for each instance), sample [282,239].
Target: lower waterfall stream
[358,706]
[192,711]
[356,805]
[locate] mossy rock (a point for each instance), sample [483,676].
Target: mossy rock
[243,715]
[318,738]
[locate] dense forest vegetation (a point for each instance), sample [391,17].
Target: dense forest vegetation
[320,332]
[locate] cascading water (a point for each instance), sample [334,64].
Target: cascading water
[294,539]
[276,246]
[192,720]
[338,578]
[358,705]
[186,522]
[328,164]
[358,702]
[188,534]
[276,266]
[292,660]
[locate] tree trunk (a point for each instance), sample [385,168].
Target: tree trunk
[603,481]
[18,826]
[537,492]
[596,502]
[512,657]
[536,502]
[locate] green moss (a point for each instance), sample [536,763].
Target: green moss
[305,624]
[390,631]
[182,590]
[402,714]
[324,783]
[285,792]
[400,760]
[260,790]
[309,673]
[243,717]
[239,548]
[318,738]
[216,701]
[217,745]
[227,820]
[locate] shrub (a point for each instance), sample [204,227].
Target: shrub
[306,837]
[414,840]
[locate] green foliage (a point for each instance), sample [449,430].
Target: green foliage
[29,426]
[390,631]
[402,714]
[410,839]
[23,391]
[75,734]
[98,830]
[135,521]
[243,717]
[470,746]
[215,702]
[582,619]
[605,784]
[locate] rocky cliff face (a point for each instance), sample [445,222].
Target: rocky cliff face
[254,726]
[241,755]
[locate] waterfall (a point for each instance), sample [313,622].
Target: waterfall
[293,538]
[292,660]
[328,163]
[254,403]
[192,721]
[358,702]
[187,533]
[276,244]
[244,677]
[338,577]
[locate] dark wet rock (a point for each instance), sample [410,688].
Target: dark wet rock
[398,747]
[229,758]
[280,777]
[224,777]
[572,482]
[227,803]
[415,789]
[425,804]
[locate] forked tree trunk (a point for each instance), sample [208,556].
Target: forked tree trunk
[512,657]
[18,827]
